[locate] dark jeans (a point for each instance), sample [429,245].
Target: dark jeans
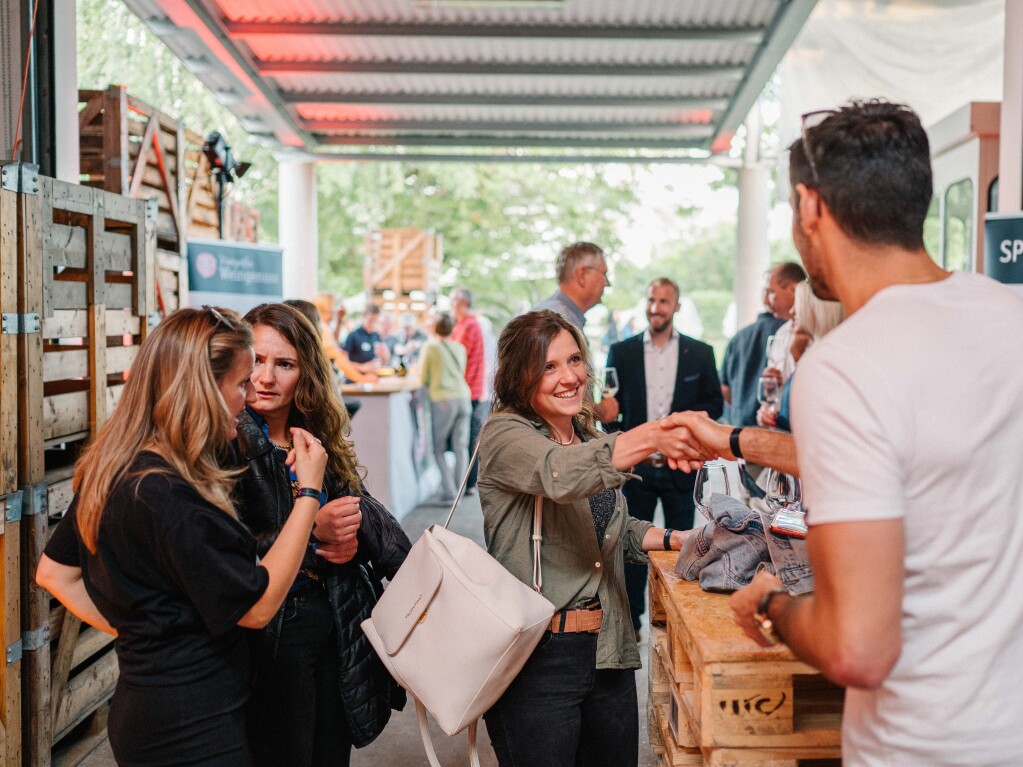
[297,716]
[677,502]
[562,712]
[480,408]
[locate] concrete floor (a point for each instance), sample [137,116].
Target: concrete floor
[400,743]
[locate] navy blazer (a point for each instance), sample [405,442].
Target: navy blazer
[697,386]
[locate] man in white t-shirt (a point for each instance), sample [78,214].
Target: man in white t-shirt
[909,423]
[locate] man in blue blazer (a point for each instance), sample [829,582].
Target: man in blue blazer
[661,371]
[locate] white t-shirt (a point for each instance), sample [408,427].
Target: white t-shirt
[912,409]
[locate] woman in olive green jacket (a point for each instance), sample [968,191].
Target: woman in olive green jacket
[574,702]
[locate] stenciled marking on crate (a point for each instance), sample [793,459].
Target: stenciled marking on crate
[765,705]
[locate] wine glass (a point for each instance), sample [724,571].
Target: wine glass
[609,387]
[785,529]
[783,491]
[784,499]
[768,390]
[711,479]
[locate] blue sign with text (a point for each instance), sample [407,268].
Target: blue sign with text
[237,275]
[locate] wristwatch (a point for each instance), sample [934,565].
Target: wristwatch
[764,624]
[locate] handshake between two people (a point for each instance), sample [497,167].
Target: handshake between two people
[690,438]
[695,438]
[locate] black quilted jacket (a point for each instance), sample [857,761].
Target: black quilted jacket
[264,501]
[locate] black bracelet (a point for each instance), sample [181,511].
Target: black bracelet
[667,539]
[308,492]
[733,442]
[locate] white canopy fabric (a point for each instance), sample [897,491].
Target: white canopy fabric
[935,55]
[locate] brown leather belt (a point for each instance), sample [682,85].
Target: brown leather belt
[657,461]
[577,621]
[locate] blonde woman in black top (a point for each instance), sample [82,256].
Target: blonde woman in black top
[151,549]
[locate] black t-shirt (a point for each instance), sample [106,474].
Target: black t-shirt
[172,573]
[360,344]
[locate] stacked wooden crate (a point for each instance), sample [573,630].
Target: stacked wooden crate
[721,700]
[13,230]
[401,271]
[131,148]
[84,263]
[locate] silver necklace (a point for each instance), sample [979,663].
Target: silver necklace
[556,438]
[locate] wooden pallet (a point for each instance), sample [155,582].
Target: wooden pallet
[727,693]
[130,148]
[399,265]
[84,270]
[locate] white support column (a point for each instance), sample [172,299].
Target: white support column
[752,255]
[298,228]
[65,66]
[1010,145]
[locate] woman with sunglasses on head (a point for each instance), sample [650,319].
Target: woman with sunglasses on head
[320,688]
[151,549]
[574,702]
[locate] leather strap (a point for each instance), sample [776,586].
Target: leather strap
[577,621]
[537,540]
[424,733]
[733,442]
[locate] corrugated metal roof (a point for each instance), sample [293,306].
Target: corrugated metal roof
[639,73]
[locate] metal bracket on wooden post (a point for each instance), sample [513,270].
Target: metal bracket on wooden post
[34,499]
[153,319]
[20,324]
[14,652]
[12,507]
[20,177]
[36,639]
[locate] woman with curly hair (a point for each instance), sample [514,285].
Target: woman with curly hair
[319,687]
[151,549]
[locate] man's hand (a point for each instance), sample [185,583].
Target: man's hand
[337,521]
[678,444]
[745,601]
[607,409]
[707,437]
[767,416]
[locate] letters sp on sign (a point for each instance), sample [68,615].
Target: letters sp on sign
[1003,247]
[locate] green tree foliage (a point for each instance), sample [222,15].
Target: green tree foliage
[502,224]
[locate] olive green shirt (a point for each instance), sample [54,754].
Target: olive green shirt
[518,462]
[443,370]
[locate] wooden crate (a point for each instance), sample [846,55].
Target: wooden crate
[84,270]
[400,262]
[130,148]
[729,693]
[19,238]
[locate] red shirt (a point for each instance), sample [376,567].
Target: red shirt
[469,334]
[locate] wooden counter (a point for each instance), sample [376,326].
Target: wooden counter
[391,432]
[721,699]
